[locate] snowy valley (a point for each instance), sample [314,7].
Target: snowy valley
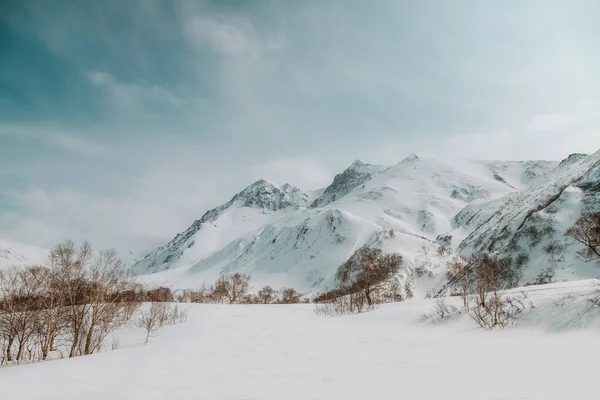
[288,352]
[299,200]
[430,343]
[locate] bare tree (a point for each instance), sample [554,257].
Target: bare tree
[586,231]
[408,291]
[491,275]
[367,271]
[290,296]
[160,294]
[232,287]
[150,319]
[442,309]
[69,305]
[9,281]
[158,315]
[28,306]
[91,295]
[267,295]
[70,265]
[459,272]
[50,321]
[107,279]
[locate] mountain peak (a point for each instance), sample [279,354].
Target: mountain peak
[262,183]
[471,206]
[411,157]
[352,177]
[268,196]
[572,158]
[357,164]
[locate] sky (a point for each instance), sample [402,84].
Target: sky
[123,121]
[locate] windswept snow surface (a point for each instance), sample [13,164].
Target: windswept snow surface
[289,353]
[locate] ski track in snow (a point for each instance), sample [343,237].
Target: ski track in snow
[288,353]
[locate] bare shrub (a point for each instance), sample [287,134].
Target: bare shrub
[491,275]
[178,315]
[367,271]
[159,314]
[554,248]
[442,309]
[586,231]
[488,277]
[442,251]
[232,287]
[290,296]
[458,270]
[160,294]
[150,318]
[363,282]
[544,277]
[423,263]
[267,295]
[201,295]
[408,291]
[348,304]
[521,260]
[498,312]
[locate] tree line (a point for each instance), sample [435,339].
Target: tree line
[69,306]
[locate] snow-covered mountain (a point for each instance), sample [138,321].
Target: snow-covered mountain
[531,223]
[255,206]
[18,254]
[284,236]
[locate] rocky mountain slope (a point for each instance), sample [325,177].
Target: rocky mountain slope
[281,236]
[250,209]
[531,223]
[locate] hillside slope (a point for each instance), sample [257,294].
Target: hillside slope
[281,237]
[258,204]
[532,222]
[19,254]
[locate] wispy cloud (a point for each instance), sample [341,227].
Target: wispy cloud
[236,37]
[58,138]
[153,111]
[134,96]
[552,122]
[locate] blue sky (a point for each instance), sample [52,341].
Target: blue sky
[122,121]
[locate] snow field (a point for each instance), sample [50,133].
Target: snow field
[288,353]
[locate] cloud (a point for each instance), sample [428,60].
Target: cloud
[58,138]
[231,38]
[134,96]
[149,212]
[552,122]
[78,144]
[134,129]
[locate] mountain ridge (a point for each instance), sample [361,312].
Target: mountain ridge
[278,236]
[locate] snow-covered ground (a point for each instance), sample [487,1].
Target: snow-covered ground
[289,352]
